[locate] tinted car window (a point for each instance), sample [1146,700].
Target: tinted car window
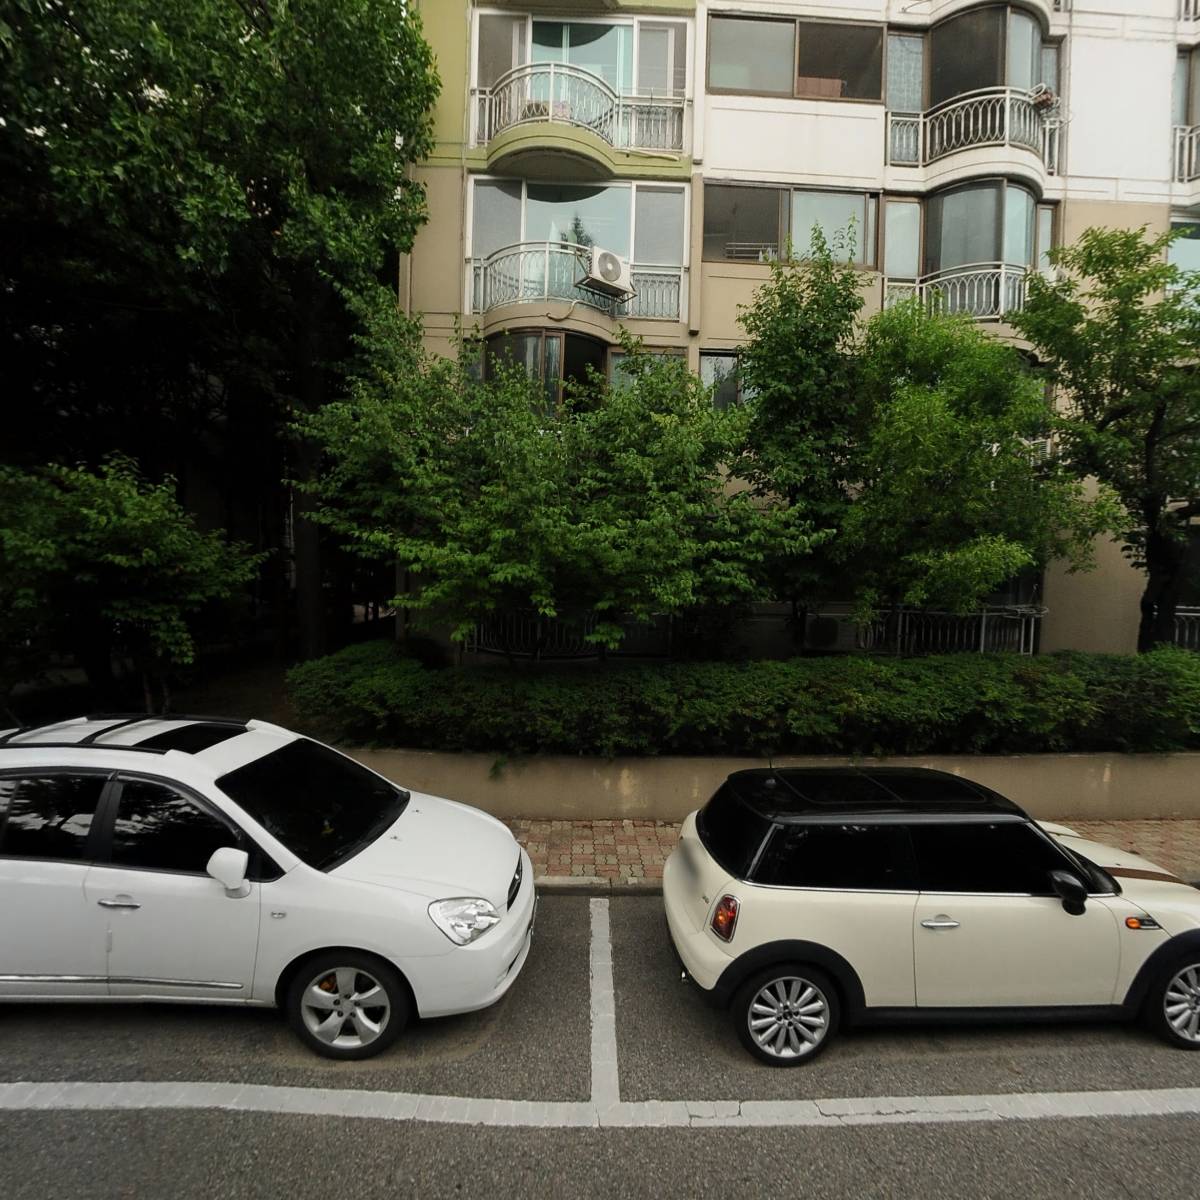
[731,832]
[160,829]
[47,816]
[1005,857]
[837,856]
[323,806]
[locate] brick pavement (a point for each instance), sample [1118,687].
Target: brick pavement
[632,853]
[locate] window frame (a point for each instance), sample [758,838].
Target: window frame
[1001,183]
[905,860]
[739,398]
[708,56]
[879,26]
[91,842]
[912,201]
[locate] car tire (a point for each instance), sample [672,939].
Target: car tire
[1173,1005]
[787,1014]
[347,1005]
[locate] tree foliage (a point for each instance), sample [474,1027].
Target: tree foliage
[610,506]
[81,550]
[1118,332]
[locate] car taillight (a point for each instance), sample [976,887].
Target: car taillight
[724,918]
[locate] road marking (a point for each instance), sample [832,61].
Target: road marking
[605,1108]
[606,1087]
[651,1114]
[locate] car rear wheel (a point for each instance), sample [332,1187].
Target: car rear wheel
[347,1005]
[786,1015]
[1173,1006]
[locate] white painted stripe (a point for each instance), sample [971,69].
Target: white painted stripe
[651,1114]
[606,1087]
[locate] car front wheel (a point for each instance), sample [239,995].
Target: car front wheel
[1174,1004]
[786,1015]
[347,1005]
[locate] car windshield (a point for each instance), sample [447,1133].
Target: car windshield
[322,806]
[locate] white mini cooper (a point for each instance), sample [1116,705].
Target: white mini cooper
[233,862]
[811,899]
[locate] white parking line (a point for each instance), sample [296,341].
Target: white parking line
[605,1108]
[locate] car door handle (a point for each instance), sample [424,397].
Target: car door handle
[118,904]
[939,922]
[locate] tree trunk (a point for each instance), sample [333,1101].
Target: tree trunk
[1164,571]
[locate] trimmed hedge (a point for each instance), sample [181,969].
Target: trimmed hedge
[953,704]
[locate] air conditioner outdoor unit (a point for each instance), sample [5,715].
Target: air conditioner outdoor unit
[608,273]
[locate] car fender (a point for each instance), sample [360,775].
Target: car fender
[1178,946]
[787,951]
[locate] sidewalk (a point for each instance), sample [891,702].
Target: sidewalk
[629,855]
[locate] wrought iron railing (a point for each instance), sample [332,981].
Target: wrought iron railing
[1187,151]
[1187,628]
[532,271]
[995,629]
[530,635]
[569,95]
[985,291]
[988,117]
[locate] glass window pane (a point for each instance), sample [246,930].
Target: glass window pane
[496,217]
[741,223]
[837,856]
[501,47]
[906,73]
[966,53]
[47,816]
[552,370]
[1045,236]
[1185,250]
[746,55]
[961,228]
[841,217]
[719,371]
[582,355]
[662,60]
[549,42]
[1018,226]
[658,226]
[902,240]
[997,859]
[1193,110]
[159,829]
[836,61]
[604,50]
[1024,50]
[585,216]
[1049,66]
[1179,98]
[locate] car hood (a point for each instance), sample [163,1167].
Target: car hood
[438,848]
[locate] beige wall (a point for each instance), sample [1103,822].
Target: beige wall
[1093,610]
[1078,215]
[1094,786]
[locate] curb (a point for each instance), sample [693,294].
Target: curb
[595,885]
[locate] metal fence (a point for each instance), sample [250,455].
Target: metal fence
[1187,626]
[985,291]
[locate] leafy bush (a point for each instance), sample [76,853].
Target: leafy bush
[955,704]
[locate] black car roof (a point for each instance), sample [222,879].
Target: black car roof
[803,793]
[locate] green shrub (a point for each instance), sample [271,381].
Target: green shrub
[953,704]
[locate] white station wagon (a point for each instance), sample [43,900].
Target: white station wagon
[207,860]
[811,899]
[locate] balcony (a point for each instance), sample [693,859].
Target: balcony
[983,291]
[1187,625]
[1189,10]
[558,93]
[1187,151]
[533,272]
[989,117]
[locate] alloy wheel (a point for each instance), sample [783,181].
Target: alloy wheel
[347,1008]
[788,1017]
[1181,1004]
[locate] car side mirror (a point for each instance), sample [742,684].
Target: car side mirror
[1072,893]
[228,867]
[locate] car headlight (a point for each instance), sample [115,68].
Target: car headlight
[464,918]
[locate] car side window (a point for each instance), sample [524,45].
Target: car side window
[47,816]
[871,857]
[1000,858]
[160,829]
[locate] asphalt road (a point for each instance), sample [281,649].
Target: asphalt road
[536,1046]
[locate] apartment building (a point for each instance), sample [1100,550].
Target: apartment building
[638,162]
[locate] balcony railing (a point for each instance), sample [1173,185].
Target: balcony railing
[985,291]
[990,117]
[537,271]
[572,96]
[1189,10]
[1187,151]
[1187,628]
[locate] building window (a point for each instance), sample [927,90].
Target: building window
[1186,99]
[618,372]
[985,48]
[745,223]
[1185,250]
[557,359]
[719,370]
[902,239]
[1045,235]
[501,48]
[839,62]
[746,54]
[980,224]
[662,58]
[906,73]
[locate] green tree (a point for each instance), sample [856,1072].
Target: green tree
[1118,333]
[800,372]
[194,189]
[610,506]
[107,551]
[957,494]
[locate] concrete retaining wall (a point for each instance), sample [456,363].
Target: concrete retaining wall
[1087,786]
